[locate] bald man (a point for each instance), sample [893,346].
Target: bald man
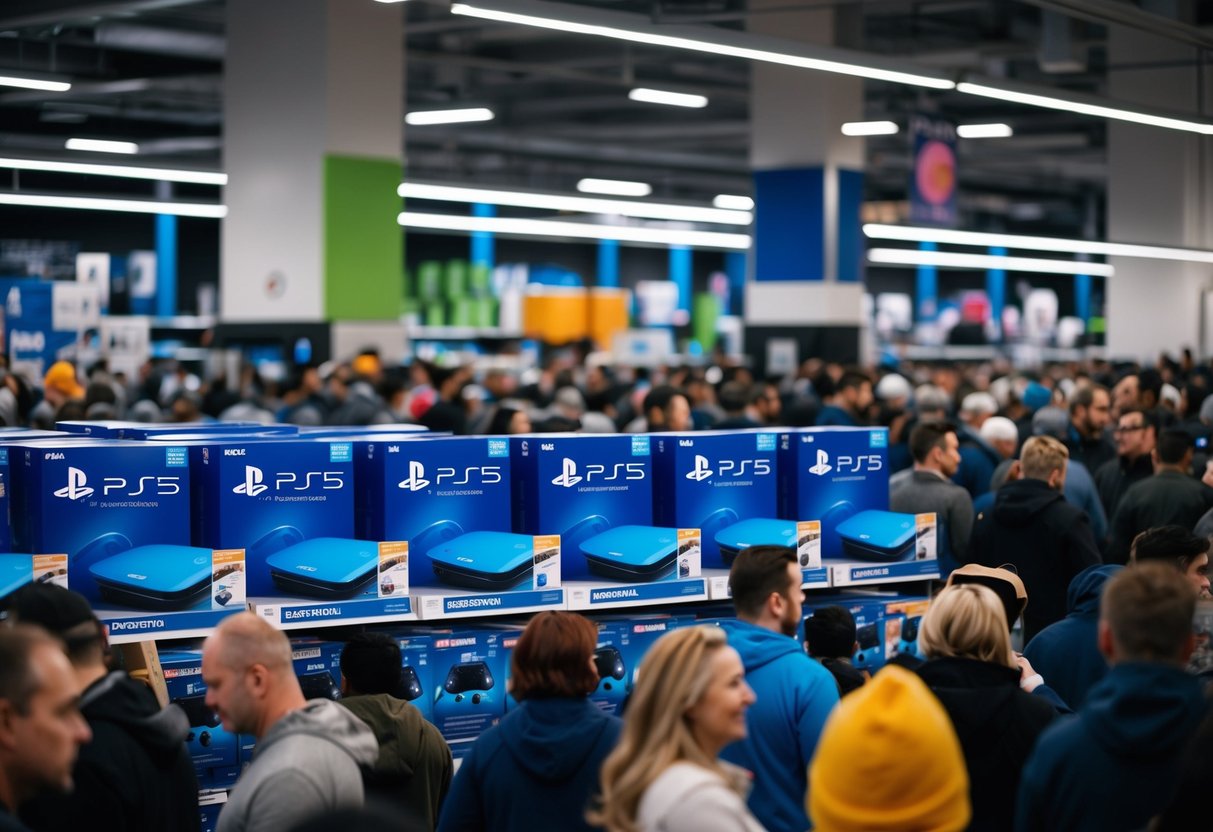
[309,753]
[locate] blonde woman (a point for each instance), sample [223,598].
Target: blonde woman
[665,775]
[984,688]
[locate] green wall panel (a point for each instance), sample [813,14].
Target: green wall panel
[363,244]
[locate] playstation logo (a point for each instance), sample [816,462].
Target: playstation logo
[77,486]
[253,482]
[568,475]
[702,471]
[823,466]
[416,479]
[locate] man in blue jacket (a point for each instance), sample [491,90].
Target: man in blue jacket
[795,694]
[1067,651]
[1116,764]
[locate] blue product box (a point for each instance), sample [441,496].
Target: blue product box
[16,570]
[317,665]
[469,671]
[417,678]
[363,431]
[830,475]
[267,497]
[213,749]
[440,494]
[903,616]
[99,500]
[614,674]
[210,804]
[635,634]
[588,489]
[713,480]
[140,431]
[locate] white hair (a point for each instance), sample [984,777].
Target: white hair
[979,404]
[999,429]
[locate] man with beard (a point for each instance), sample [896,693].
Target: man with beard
[795,693]
[1090,415]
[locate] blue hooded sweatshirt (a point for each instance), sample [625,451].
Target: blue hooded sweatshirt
[1116,764]
[794,694]
[536,769]
[1066,653]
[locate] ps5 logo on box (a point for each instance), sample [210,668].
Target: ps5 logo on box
[77,487]
[734,468]
[416,480]
[598,473]
[847,464]
[254,481]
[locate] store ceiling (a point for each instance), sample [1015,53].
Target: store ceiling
[151,71]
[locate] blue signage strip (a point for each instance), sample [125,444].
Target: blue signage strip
[122,625]
[503,601]
[908,571]
[815,576]
[346,609]
[648,592]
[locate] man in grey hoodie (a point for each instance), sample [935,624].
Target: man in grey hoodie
[309,753]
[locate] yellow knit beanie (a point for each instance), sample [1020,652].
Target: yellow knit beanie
[889,759]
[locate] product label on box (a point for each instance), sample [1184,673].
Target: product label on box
[690,554]
[499,447]
[492,602]
[815,578]
[227,579]
[338,610]
[926,544]
[640,446]
[915,570]
[808,544]
[341,452]
[175,457]
[394,569]
[546,571]
[54,566]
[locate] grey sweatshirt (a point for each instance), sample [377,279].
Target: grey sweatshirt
[307,763]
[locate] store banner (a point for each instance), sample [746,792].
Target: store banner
[45,321]
[933,178]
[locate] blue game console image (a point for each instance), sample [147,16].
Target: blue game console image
[632,553]
[583,530]
[486,561]
[320,685]
[102,547]
[613,679]
[155,577]
[410,685]
[716,522]
[15,572]
[878,535]
[275,540]
[466,688]
[757,531]
[206,737]
[434,535]
[324,567]
[909,636]
[868,654]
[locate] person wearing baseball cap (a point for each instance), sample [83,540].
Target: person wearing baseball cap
[136,772]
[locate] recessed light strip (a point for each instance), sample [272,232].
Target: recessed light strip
[198,177]
[34,83]
[460,116]
[912,234]
[135,206]
[1082,106]
[583,204]
[636,29]
[672,99]
[870,128]
[984,131]
[575,230]
[956,260]
[614,187]
[102,146]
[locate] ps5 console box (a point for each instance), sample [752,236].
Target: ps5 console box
[830,475]
[714,480]
[119,429]
[416,671]
[869,615]
[120,512]
[279,498]
[317,665]
[469,684]
[214,750]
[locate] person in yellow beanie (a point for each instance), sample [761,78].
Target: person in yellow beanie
[889,760]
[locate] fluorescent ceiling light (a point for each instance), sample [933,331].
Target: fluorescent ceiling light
[1088,106]
[614,187]
[134,206]
[575,230]
[714,41]
[467,114]
[673,99]
[102,146]
[956,260]
[984,131]
[870,128]
[733,202]
[585,204]
[946,236]
[199,177]
[34,83]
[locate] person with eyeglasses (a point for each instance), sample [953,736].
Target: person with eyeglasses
[1136,434]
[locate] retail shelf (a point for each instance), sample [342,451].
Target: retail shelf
[866,573]
[590,595]
[293,614]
